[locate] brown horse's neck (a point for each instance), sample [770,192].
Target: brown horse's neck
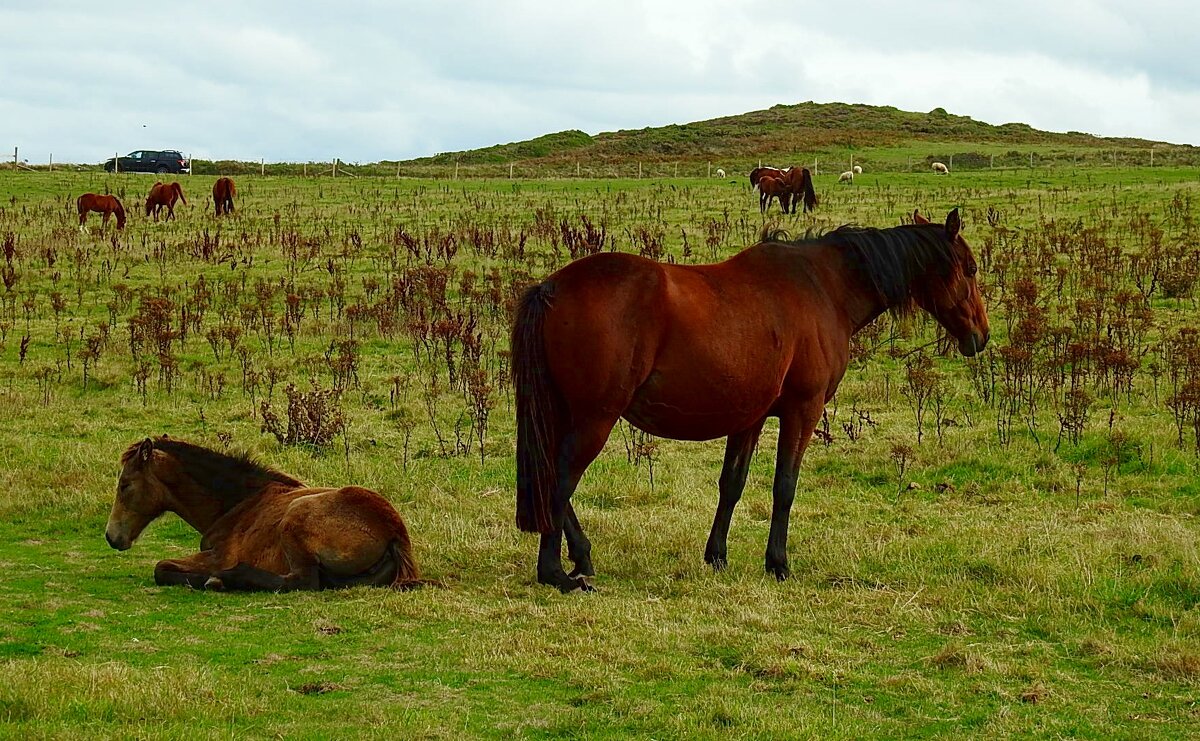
[205,485]
[193,503]
[857,301]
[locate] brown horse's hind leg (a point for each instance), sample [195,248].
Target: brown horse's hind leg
[247,578]
[795,430]
[578,449]
[739,449]
[579,548]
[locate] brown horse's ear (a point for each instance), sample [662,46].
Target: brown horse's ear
[918,218]
[953,224]
[145,450]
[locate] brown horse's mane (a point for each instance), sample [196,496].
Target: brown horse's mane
[891,260]
[230,477]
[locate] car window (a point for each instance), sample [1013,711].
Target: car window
[135,155]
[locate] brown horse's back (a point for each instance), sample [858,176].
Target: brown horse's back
[348,531]
[725,335]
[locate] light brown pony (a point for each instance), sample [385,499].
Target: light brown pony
[697,352]
[260,529]
[107,205]
[770,188]
[164,194]
[223,193]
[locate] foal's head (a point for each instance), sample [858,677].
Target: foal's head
[952,296]
[141,494]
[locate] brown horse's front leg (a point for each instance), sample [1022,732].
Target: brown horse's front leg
[739,450]
[795,430]
[189,572]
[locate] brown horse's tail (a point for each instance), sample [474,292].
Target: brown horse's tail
[407,573]
[179,192]
[807,194]
[537,413]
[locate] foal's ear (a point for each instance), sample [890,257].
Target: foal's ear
[918,218]
[953,224]
[145,450]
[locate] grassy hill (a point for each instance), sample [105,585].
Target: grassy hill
[806,130]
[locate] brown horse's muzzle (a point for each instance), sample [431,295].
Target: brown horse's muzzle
[973,343]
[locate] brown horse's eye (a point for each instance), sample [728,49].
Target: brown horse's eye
[972,269]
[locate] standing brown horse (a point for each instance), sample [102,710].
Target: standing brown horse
[223,193]
[164,194]
[798,182]
[106,205]
[260,529]
[770,188]
[697,352]
[800,186]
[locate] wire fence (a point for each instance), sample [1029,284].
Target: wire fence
[444,167]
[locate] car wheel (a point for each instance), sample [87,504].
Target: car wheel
[161,170]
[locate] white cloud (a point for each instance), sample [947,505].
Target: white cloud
[367,81]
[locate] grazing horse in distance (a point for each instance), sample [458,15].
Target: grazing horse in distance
[260,529]
[800,186]
[757,174]
[107,205]
[223,193]
[697,352]
[770,188]
[857,169]
[164,194]
[940,169]
[847,177]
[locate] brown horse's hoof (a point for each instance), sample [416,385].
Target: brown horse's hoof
[214,584]
[582,584]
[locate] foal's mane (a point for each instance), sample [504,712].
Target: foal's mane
[230,477]
[891,260]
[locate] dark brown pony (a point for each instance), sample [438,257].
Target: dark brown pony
[107,205]
[260,529]
[770,188]
[697,352]
[164,194]
[223,193]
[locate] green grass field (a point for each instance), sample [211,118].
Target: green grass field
[1029,569]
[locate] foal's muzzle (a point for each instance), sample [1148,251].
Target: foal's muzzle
[121,544]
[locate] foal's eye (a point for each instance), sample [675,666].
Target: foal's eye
[972,269]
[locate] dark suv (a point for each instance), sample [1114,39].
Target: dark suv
[145,160]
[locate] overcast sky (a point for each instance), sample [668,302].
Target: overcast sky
[367,81]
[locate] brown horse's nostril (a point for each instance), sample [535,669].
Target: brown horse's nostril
[108,538]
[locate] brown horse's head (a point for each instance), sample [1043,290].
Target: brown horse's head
[152,197]
[952,296]
[141,494]
[120,212]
